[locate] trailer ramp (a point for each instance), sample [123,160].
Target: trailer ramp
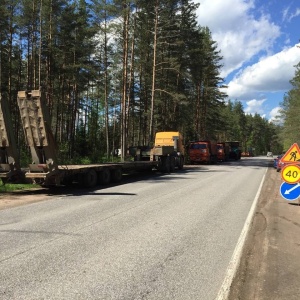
[36,125]
[10,170]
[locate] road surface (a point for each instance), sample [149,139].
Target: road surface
[162,237]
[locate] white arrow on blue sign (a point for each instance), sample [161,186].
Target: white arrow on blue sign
[290,191]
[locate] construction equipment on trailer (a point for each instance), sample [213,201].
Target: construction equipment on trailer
[45,169]
[10,169]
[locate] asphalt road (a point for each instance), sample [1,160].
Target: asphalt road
[160,237]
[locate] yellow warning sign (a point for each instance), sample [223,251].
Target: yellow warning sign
[291,174]
[292,155]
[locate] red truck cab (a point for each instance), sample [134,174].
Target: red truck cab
[223,151]
[203,152]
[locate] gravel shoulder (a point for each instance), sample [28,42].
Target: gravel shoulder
[23,197]
[269,268]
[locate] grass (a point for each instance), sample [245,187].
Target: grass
[12,187]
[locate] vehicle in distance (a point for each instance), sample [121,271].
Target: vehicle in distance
[204,151]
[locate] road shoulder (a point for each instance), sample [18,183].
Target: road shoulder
[269,267]
[17,198]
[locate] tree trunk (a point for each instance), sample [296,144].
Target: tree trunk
[125,79]
[153,73]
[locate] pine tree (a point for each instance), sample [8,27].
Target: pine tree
[208,100]
[290,109]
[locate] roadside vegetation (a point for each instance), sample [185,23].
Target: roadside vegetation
[115,72]
[11,187]
[290,111]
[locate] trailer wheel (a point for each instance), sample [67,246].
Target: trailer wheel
[90,178]
[68,180]
[104,176]
[117,175]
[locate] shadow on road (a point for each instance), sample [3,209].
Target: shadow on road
[152,176]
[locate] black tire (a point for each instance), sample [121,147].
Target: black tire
[167,164]
[104,176]
[172,164]
[117,175]
[181,163]
[90,178]
[68,180]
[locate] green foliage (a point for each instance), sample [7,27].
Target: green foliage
[290,110]
[10,187]
[255,133]
[76,52]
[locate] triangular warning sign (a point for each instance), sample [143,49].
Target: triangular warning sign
[292,155]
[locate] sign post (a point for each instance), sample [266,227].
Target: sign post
[290,174]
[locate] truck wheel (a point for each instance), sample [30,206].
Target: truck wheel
[166,164]
[181,162]
[117,175]
[172,164]
[90,178]
[104,176]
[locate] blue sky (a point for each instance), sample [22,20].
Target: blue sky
[259,42]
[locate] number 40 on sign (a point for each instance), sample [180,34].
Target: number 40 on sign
[291,173]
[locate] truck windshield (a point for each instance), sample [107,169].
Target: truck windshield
[198,146]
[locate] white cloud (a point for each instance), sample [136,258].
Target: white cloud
[248,40]
[271,74]
[255,106]
[274,115]
[294,15]
[239,35]
[275,112]
[285,13]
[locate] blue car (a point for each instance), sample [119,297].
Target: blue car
[277,163]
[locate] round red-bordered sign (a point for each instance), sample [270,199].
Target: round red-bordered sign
[291,173]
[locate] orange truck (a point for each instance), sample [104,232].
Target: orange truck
[223,151]
[203,152]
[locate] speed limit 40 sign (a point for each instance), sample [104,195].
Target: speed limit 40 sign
[291,173]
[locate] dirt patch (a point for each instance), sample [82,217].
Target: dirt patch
[22,197]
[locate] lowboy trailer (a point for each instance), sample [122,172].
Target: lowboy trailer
[45,170]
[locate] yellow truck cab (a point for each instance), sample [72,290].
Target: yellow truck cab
[168,150]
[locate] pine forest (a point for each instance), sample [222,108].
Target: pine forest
[116,72]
